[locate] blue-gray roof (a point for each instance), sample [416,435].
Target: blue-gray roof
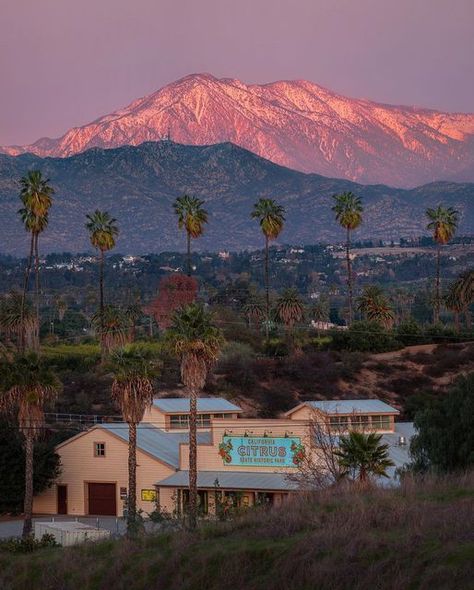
[155,441]
[233,480]
[204,404]
[350,406]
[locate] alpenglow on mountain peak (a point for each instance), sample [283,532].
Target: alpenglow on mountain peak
[296,123]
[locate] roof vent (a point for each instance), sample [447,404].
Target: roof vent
[402,441]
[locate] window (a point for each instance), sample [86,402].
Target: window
[381,422]
[339,422]
[99,449]
[361,423]
[181,421]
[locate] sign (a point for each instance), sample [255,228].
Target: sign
[265,451]
[149,495]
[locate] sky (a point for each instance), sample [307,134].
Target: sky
[63,63]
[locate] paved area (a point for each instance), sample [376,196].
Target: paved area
[13,528]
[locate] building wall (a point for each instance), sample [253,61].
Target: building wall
[308,414]
[154,416]
[79,466]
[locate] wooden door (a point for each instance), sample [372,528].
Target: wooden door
[62,499]
[102,499]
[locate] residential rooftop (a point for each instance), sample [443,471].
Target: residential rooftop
[348,406]
[178,405]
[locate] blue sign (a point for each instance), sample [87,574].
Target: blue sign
[265,451]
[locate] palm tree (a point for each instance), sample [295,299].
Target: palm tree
[454,302]
[320,313]
[133,313]
[191,217]
[254,311]
[290,310]
[363,454]
[348,209]
[18,319]
[36,195]
[103,231]
[197,342]
[27,384]
[132,391]
[113,327]
[271,217]
[374,306]
[443,223]
[460,296]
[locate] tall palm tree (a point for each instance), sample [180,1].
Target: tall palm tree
[443,223]
[18,320]
[254,311]
[103,231]
[348,209]
[36,195]
[290,310]
[320,313]
[191,217]
[133,314]
[197,342]
[271,218]
[363,455]
[460,296]
[132,391]
[113,327]
[27,384]
[374,306]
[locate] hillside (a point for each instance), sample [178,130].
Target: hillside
[293,123]
[139,184]
[417,537]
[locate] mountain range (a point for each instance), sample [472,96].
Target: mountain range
[297,124]
[138,185]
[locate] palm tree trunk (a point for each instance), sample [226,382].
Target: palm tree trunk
[456,321]
[349,273]
[28,501]
[189,253]
[192,458]
[37,293]
[132,477]
[467,317]
[437,288]
[25,289]
[267,289]
[101,301]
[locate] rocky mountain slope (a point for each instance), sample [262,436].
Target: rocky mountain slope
[293,123]
[139,184]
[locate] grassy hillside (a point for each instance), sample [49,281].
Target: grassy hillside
[419,536]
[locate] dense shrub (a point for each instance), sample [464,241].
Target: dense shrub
[364,336]
[237,363]
[27,545]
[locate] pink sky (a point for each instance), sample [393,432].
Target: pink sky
[66,62]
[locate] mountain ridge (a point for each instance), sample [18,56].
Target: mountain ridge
[298,124]
[138,186]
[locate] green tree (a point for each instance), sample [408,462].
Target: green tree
[443,223]
[113,326]
[196,341]
[191,217]
[348,209]
[132,390]
[271,218]
[27,384]
[290,310]
[363,456]
[103,231]
[445,435]
[18,321]
[374,306]
[36,195]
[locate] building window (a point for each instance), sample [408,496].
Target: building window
[361,423]
[339,422]
[181,421]
[99,449]
[381,422]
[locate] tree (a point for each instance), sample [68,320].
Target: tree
[464,293]
[348,209]
[174,291]
[132,391]
[290,310]
[197,342]
[18,320]
[27,384]
[102,230]
[374,306]
[271,217]
[113,327]
[12,468]
[254,311]
[363,456]
[191,217]
[36,195]
[445,437]
[443,223]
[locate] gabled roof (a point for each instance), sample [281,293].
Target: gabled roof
[232,480]
[348,406]
[178,405]
[161,445]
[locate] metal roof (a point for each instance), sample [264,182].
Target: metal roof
[233,480]
[155,441]
[350,406]
[204,404]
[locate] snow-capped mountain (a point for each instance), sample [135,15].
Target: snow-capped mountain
[294,123]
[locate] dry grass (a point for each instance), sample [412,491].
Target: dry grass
[419,536]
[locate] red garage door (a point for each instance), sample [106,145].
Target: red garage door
[102,499]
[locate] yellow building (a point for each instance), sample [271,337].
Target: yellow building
[240,460]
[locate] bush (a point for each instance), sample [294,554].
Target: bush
[410,333]
[237,362]
[28,545]
[364,336]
